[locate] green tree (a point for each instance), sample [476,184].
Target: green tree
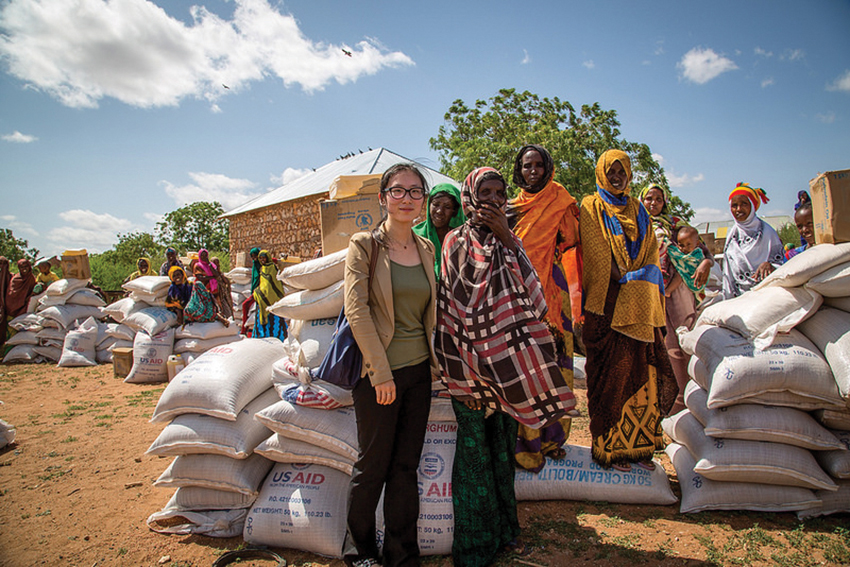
[109,269]
[491,132]
[195,226]
[789,234]
[15,248]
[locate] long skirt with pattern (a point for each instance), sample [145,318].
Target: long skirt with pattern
[630,387]
[275,327]
[534,445]
[485,508]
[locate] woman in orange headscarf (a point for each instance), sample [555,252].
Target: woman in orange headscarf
[545,217]
[630,383]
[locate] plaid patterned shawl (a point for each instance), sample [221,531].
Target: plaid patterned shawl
[491,342]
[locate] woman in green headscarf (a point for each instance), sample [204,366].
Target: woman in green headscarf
[444,214]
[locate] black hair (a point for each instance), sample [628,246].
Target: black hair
[385,181]
[548,165]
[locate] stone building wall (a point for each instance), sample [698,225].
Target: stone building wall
[292,228]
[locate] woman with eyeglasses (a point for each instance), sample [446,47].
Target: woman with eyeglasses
[392,316]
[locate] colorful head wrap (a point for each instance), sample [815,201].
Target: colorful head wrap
[665,210]
[175,269]
[756,195]
[468,193]
[606,160]
[426,228]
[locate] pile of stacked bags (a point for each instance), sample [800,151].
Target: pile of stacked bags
[767,424]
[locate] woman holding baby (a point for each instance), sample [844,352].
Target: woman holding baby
[685,264]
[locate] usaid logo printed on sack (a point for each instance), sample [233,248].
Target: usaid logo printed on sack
[432,465]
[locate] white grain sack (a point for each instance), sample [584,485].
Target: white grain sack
[803,267]
[217,472]
[51,353]
[737,372]
[311,304]
[842,303]
[831,502]
[837,463]
[206,330]
[151,285]
[194,433]
[65,315]
[203,345]
[65,286]
[734,460]
[122,332]
[284,450]
[78,348]
[23,338]
[578,477]
[194,498]
[123,308]
[150,355]
[27,322]
[700,494]
[300,507]
[21,353]
[755,422]
[759,315]
[316,274]
[829,329]
[834,282]
[7,434]
[335,430]
[834,419]
[239,276]
[221,381]
[152,320]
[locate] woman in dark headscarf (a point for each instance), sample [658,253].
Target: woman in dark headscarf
[498,362]
[443,214]
[171,260]
[20,289]
[545,217]
[268,292]
[680,304]
[630,383]
[179,292]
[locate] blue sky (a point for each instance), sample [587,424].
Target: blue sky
[114,113]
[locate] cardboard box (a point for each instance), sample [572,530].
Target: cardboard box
[75,265]
[342,218]
[719,245]
[345,186]
[243,260]
[831,206]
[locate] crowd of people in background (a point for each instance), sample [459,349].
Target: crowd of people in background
[508,289]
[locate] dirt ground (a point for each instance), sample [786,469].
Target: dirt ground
[76,488]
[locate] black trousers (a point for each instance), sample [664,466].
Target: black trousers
[391,439]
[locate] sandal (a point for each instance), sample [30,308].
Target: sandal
[623,467]
[557,454]
[646,465]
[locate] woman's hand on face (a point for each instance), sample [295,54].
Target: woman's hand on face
[494,218]
[385,392]
[703,270]
[764,270]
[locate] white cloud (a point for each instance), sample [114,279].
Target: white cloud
[95,232]
[659,47]
[708,214]
[589,64]
[683,180]
[767,82]
[153,217]
[18,138]
[289,175]
[659,158]
[842,83]
[700,65]
[763,52]
[826,118]
[526,58]
[793,55]
[81,52]
[212,187]
[18,227]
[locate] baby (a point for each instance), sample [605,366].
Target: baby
[686,256]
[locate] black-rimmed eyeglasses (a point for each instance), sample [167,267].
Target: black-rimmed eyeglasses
[416,193]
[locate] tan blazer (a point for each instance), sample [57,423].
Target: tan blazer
[373,322]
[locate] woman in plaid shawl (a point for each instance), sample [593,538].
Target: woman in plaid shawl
[630,383]
[498,362]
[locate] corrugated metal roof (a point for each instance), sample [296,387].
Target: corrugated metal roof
[319,181]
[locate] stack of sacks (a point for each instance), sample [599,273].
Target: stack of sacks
[747,456]
[25,339]
[151,289]
[317,289]
[194,339]
[303,503]
[240,290]
[65,305]
[212,435]
[80,345]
